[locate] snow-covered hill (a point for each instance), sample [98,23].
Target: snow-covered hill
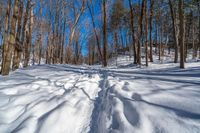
[79,99]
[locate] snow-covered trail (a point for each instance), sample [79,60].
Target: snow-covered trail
[53,99]
[165,100]
[76,99]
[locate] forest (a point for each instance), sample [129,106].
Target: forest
[93,31]
[99,66]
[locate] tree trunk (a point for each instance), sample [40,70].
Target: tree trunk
[199,26]
[182,33]
[151,27]
[9,45]
[174,31]
[24,28]
[28,38]
[63,43]
[156,38]
[146,35]
[187,34]
[116,46]
[5,36]
[104,35]
[160,44]
[18,46]
[40,47]
[193,41]
[140,33]
[133,32]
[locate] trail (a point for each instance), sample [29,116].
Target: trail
[97,124]
[82,99]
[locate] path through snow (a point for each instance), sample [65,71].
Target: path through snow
[69,99]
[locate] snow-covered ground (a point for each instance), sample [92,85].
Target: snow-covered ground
[48,99]
[79,99]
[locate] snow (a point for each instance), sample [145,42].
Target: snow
[47,99]
[122,99]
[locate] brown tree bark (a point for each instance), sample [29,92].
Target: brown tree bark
[133,31]
[175,36]
[182,33]
[9,45]
[146,34]
[18,45]
[140,29]
[116,46]
[193,41]
[104,35]
[187,34]
[63,43]
[5,36]
[28,38]
[24,28]
[198,5]
[160,41]
[151,27]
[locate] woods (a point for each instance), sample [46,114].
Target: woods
[93,32]
[99,66]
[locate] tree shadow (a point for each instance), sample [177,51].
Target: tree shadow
[179,112]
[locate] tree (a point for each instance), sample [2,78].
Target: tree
[140,30]
[198,5]
[5,36]
[104,34]
[182,33]
[28,34]
[175,32]
[9,40]
[91,11]
[146,34]
[77,16]
[151,27]
[133,31]
[116,24]
[18,47]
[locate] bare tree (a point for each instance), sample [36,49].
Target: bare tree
[77,16]
[182,33]
[151,27]
[104,34]
[91,11]
[5,40]
[175,32]
[133,31]
[18,47]
[140,30]
[28,35]
[146,34]
[10,41]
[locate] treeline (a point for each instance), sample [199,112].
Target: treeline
[145,28]
[92,31]
[40,31]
